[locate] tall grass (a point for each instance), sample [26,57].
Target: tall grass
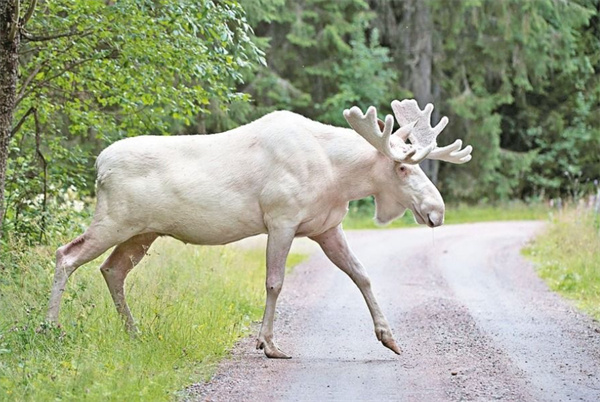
[568,258]
[192,303]
[362,218]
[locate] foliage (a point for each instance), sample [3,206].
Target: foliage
[192,303]
[367,63]
[567,257]
[523,77]
[523,91]
[519,81]
[321,59]
[35,221]
[116,69]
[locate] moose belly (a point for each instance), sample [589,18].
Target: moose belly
[322,222]
[204,229]
[207,222]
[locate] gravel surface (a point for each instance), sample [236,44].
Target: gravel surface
[473,319]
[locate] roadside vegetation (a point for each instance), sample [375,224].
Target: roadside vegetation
[192,304]
[567,256]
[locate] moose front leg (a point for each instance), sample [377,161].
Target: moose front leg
[278,247]
[334,244]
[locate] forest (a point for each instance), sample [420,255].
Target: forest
[519,81]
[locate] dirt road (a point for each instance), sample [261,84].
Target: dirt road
[474,320]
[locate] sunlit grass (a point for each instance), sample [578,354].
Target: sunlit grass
[192,303]
[568,258]
[461,213]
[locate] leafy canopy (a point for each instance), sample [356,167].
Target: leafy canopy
[96,72]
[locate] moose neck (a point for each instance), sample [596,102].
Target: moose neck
[357,165]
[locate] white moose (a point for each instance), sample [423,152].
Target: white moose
[283,175]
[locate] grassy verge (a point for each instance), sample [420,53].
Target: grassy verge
[192,303]
[363,218]
[568,258]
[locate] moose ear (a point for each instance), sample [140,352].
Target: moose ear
[381,124]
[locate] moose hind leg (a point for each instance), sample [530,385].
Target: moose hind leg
[278,247]
[71,256]
[116,267]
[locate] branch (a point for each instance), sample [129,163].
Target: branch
[61,72]
[29,12]
[40,38]
[39,153]
[29,78]
[31,49]
[20,123]
[22,94]
[68,68]
[14,25]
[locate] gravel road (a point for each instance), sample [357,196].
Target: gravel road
[473,319]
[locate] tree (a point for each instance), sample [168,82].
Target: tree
[520,84]
[9,47]
[321,57]
[408,32]
[519,81]
[95,71]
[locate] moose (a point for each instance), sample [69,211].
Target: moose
[283,174]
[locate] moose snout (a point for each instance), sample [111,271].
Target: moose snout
[430,214]
[434,219]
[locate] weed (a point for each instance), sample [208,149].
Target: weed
[567,257]
[192,304]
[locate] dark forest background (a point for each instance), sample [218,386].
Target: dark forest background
[519,81]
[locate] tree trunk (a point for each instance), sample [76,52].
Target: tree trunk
[9,63]
[417,38]
[407,30]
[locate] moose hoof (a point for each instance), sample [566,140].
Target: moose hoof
[271,351]
[391,344]
[388,341]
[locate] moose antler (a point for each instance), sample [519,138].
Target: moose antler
[378,134]
[424,136]
[452,153]
[415,126]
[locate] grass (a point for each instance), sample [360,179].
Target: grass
[192,304]
[567,257]
[461,213]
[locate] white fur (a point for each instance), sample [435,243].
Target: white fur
[280,170]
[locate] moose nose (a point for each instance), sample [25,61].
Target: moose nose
[434,219]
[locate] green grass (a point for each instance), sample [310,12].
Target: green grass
[567,257]
[192,303]
[363,218]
